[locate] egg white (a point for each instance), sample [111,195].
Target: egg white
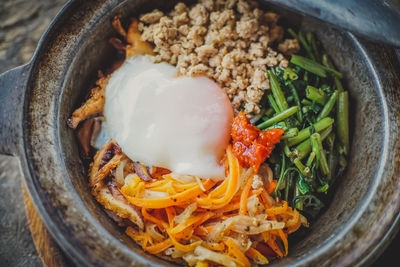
[179,123]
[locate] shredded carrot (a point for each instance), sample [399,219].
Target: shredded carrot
[277,210]
[137,236]
[209,227]
[220,190]
[157,184]
[148,238]
[230,207]
[256,192]
[201,231]
[183,187]
[160,214]
[133,186]
[283,237]
[256,256]
[237,253]
[201,264]
[159,247]
[171,213]
[174,200]
[188,223]
[185,229]
[158,202]
[233,179]
[181,247]
[214,246]
[216,202]
[266,236]
[265,250]
[244,196]
[204,218]
[272,244]
[158,172]
[160,223]
[145,240]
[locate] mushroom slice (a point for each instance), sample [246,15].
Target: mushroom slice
[104,161]
[111,198]
[84,134]
[94,105]
[135,45]
[117,44]
[87,133]
[116,23]
[142,171]
[105,170]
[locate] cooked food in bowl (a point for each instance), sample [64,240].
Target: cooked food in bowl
[215,146]
[159,119]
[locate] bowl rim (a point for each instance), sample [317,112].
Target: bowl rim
[79,258]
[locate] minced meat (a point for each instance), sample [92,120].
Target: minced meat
[228,41]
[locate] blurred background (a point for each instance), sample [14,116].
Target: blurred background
[22,23]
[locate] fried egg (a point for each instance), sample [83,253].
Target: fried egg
[159,119]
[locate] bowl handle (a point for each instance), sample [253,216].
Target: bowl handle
[12,94]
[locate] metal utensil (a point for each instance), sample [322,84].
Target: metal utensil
[377,20]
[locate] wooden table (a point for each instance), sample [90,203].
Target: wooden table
[24,240]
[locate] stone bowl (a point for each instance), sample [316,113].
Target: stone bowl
[37,99]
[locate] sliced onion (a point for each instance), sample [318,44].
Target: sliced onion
[186,213]
[131,182]
[119,173]
[270,200]
[243,242]
[201,254]
[149,194]
[169,251]
[263,226]
[130,178]
[243,177]
[200,184]
[218,231]
[254,205]
[174,252]
[245,225]
[151,229]
[266,173]
[183,178]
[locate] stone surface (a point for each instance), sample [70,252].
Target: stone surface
[22,23]
[16,245]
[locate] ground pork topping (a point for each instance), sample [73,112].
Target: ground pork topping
[226,40]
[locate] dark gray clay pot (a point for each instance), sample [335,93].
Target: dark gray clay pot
[36,100]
